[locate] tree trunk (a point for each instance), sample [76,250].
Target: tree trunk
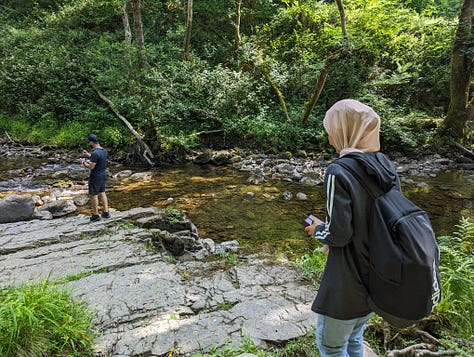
[128,33]
[238,38]
[342,14]
[317,92]
[460,108]
[189,24]
[138,25]
[277,91]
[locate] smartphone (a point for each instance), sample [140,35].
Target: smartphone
[308,220]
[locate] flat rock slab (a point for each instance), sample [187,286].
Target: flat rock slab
[145,302]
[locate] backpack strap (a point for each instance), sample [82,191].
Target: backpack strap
[360,174]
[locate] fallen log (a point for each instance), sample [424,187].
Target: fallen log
[145,152]
[465,151]
[9,138]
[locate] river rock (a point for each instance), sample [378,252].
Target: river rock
[61,174]
[209,245]
[60,207]
[43,215]
[81,200]
[257,178]
[466,166]
[141,176]
[203,158]
[285,169]
[229,246]
[309,181]
[38,200]
[220,158]
[16,208]
[301,196]
[287,196]
[123,174]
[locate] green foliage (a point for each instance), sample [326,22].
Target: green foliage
[456,308]
[43,320]
[229,350]
[312,265]
[50,51]
[302,347]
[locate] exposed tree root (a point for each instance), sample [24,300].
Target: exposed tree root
[464,150]
[428,344]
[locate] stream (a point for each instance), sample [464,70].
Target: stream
[217,200]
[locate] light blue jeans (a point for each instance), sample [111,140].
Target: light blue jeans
[341,338]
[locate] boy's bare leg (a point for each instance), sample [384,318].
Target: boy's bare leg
[104,201]
[95,204]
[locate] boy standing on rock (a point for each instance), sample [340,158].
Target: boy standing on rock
[97,166]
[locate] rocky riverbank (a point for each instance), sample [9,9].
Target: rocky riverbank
[147,302]
[60,169]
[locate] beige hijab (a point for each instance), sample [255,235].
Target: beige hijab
[353,127]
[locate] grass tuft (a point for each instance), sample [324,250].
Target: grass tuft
[43,320]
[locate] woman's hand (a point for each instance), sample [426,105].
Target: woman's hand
[310,229]
[325,249]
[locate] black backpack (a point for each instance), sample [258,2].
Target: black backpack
[403,281]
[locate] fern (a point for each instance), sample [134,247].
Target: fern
[457,279]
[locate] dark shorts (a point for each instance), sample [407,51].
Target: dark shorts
[96,185]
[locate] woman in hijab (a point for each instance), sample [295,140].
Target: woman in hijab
[342,300]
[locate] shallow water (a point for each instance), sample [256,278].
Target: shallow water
[215,199]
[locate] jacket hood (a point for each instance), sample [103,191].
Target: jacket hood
[378,166]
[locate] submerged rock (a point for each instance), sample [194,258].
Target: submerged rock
[140,176]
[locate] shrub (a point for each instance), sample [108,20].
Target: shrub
[43,320]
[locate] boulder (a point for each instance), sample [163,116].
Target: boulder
[60,208]
[16,208]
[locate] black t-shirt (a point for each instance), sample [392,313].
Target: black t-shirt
[99,156]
